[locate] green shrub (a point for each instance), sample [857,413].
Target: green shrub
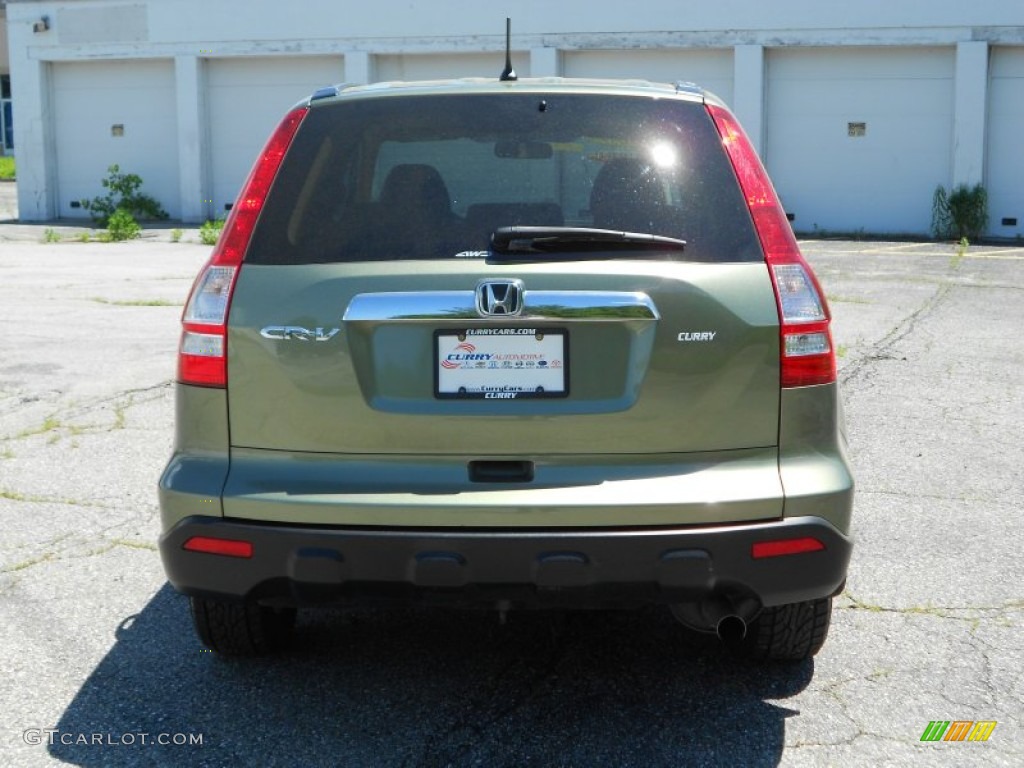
[51,235]
[960,213]
[7,170]
[210,231]
[123,226]
[176,235]
[123,195]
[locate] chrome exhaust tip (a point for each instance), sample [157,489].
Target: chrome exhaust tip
[731,629]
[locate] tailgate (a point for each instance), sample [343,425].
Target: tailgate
[607,357]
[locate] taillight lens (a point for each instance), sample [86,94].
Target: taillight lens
[805,342]
[202,354]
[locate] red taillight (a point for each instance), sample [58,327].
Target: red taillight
[805,340]
[202,354]
[214,546]
[783,547]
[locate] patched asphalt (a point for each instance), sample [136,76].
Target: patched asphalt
[100,660]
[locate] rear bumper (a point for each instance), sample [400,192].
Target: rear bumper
[309,564]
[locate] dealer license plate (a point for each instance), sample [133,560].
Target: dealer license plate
[501,363]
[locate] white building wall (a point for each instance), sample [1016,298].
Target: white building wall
[439,66]
[735,49]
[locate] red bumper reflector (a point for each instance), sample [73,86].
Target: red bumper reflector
[229,547]
[782,547]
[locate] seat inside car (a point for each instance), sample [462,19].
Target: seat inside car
[628,195]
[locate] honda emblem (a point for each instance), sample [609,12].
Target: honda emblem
[499,297]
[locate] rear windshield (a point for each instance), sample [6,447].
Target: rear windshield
[432,177]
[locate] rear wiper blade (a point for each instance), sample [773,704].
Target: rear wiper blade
[520,240]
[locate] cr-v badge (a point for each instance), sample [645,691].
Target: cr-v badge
[290,332]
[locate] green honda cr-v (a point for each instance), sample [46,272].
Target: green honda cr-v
[509,344]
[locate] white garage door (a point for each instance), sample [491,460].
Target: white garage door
[1005,177]
[247,97]
[432,66]
[115,112]
[858,139]
[710,69]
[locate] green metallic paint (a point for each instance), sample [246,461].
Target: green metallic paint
[194,477]
[813,459]
[566,492]
[635,388]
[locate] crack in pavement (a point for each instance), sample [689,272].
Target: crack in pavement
[440,748]
[939,611]
[936,496]
[22,498]
[134,397]
[900,331]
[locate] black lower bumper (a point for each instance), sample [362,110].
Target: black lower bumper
[300,565]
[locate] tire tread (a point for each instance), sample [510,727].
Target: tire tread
[793,632]
[241,629]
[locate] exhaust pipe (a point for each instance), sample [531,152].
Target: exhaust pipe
[724,614]
[731,629]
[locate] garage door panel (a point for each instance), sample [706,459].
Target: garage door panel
[834,177]
[710,69]
[1005,165]
[246,98]
[115,112]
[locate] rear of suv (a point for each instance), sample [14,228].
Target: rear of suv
[541,343]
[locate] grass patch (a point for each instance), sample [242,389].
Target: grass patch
[176,235]
[841,351]
[29,563]
[135,302]
[119,414]
[49,423]
[7,169]
[134,544]
[51,235]
[209,232]
[961,251]
[32,499]
[834,298]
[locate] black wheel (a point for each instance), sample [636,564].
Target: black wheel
[788,632]
[241,629]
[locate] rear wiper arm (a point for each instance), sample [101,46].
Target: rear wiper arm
[520,240]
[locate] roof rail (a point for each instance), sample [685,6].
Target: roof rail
[685,86]
[330,91]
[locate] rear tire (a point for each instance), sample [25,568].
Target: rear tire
[793,632]
[241,629]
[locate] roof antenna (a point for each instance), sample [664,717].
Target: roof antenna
[508,73]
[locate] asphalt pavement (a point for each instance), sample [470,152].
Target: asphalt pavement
[101,667]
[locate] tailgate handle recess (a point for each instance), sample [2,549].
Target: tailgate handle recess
[500,471]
